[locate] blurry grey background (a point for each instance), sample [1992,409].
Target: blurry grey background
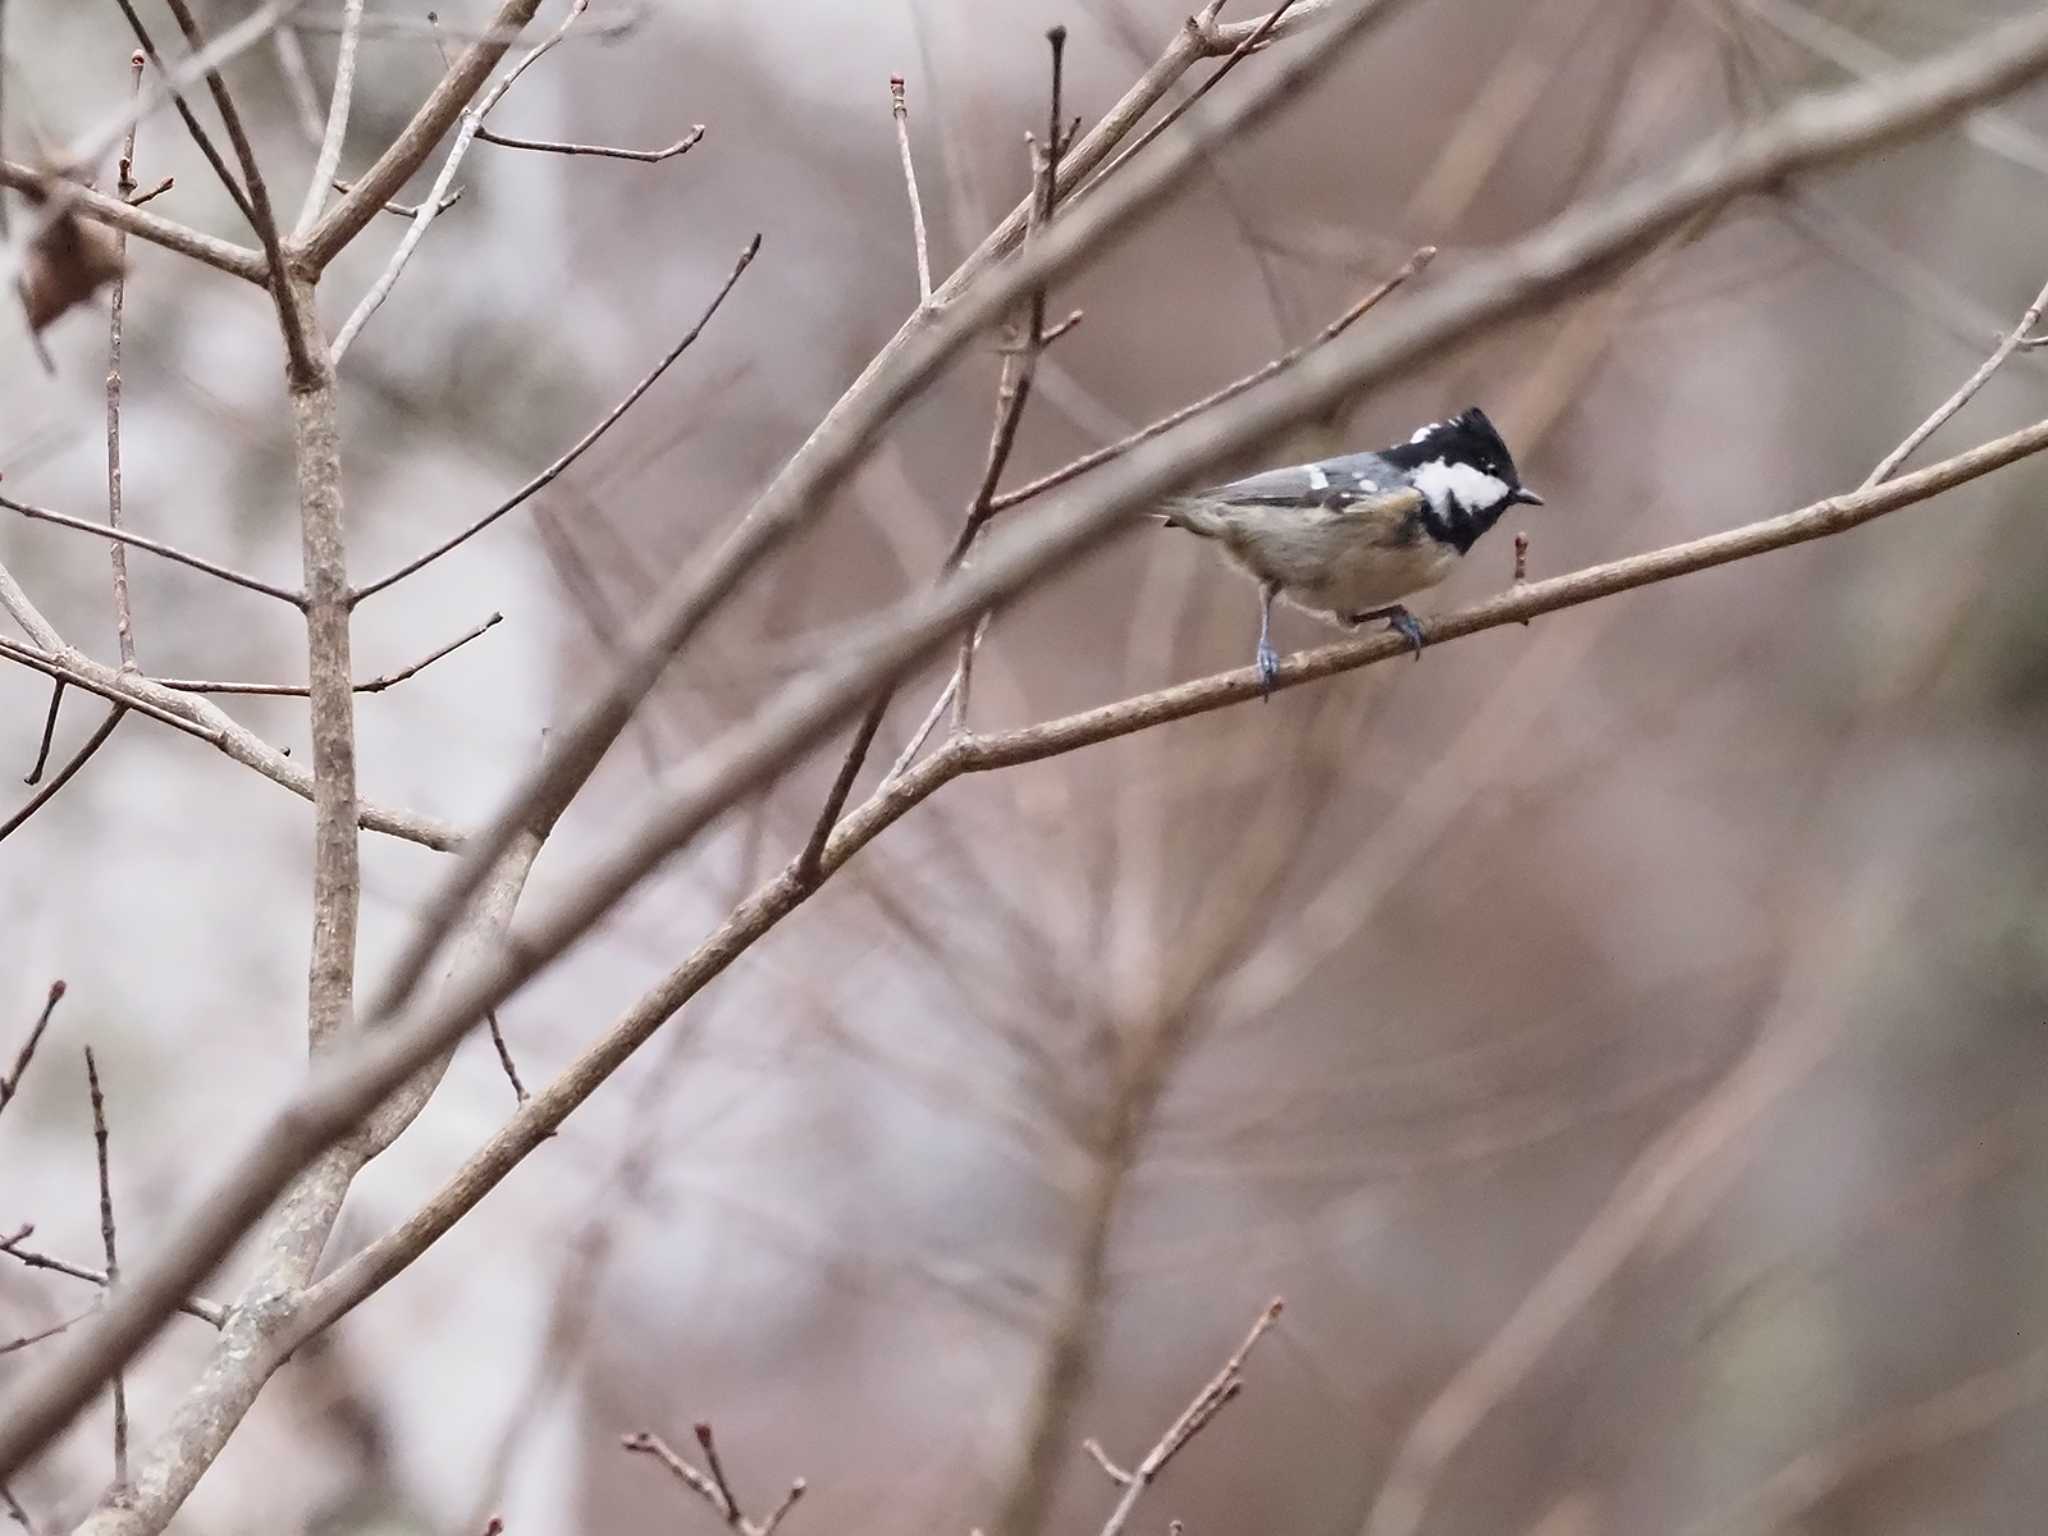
[1529,897]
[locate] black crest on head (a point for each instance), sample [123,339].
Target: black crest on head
[1466,438]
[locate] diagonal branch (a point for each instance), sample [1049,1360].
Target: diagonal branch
[223,255]
[48,792]
[841,440]
[534,1122]
[577,449]
[1512,282]
[378,185]
[155,547]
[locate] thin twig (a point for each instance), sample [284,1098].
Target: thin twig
[192,1306]
[102,208]
[202,719]
[117,553]
[330,141]
[298,690]
[2012,342]
[11,1083]
[137,199]
[579,448]
[1250,41]
[712,1486]
[472,119]
[519,1093]
[283,291]
[975,296]
[35,771]
[26,1340]
[900,110]
[1207,1403]
[322,1108]
[681,146]
[298,80]
[107,1242]
[64,776]
[155,547]
[411,210]
[1337,327]
[409,151]
[1013,391]
[193,126]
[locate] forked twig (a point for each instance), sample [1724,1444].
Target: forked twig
[711,1486]
[1217,1392]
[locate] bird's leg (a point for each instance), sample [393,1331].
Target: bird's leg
[1267,662]
[1399,620]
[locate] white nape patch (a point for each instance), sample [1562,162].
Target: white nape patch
[1424,431]
[1473,488]
[1318,479]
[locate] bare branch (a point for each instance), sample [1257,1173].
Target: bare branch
[298,690]
[798,493]
[117,553]
[519,1093]
[155,547]
[1013,392]
[581,446]
[223,255]
[1337,327]
[28,1340]
[2013,341]
[711,1486]
[900,110]
[200,136]
[1264,28]
[328,157]
[206,1311]
[1207,1403]
[283,291]
[65,774]
[681,146]
[201,718]
[35,771]
[11,1083]
[437,114]
[390,1255]
[1490,290]
[108,1243]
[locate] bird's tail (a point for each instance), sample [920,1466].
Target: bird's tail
[1194,513]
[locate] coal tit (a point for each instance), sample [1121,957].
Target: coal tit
[1347,537]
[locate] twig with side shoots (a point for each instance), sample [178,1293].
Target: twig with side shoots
[1013,392]
[1219,1390]
[711,1485]
[1512,282]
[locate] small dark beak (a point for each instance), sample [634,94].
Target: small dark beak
[1526,497]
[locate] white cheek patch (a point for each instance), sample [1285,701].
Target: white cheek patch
[1441,481]
[1317,479]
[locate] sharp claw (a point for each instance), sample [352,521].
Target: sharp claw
[1402,623]
[1268,663]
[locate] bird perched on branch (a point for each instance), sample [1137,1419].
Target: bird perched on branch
[1350,536]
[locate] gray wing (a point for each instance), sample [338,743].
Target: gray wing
[1333,483]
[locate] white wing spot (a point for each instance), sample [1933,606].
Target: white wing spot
[1423,431]
[1318,479]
